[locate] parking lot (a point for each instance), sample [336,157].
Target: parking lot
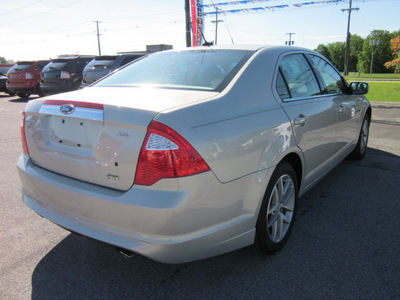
[345,243]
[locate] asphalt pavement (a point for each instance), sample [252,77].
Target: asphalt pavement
[345,243]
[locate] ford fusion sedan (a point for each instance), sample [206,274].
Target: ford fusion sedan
[185,155]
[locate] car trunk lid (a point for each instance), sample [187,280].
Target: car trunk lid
[94,135]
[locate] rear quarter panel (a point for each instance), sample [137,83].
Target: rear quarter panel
[241,131]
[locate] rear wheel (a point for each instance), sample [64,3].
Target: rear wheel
[359,152]
[41,93]
[277,213]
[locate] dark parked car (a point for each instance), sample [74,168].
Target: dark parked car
[3,80]
[63,74]
[24,78]
[103,65]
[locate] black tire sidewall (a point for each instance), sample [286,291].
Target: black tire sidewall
[357,154]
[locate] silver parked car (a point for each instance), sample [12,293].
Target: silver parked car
[188,154]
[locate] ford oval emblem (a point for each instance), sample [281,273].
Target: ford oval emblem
[67,109]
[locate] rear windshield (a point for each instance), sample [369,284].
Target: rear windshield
[101,62]
[210,70]
[57,64]
[21,66]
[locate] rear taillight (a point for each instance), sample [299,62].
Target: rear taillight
[28,75]
[65,75]
[166,154]
[23,137]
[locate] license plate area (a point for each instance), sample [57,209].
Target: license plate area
[74,132]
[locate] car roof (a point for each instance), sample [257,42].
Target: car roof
[254,48]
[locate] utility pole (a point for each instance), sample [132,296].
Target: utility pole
[188,24]
[98,35]
[347,54]
[216,25]
[290,42]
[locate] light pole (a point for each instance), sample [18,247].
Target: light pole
[188,24]
[373,43]
[98,35]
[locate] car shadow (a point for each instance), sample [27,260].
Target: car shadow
[338,249]
[21,100]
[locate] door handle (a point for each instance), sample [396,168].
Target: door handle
[300,120]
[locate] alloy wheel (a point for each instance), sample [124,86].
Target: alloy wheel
[280,208]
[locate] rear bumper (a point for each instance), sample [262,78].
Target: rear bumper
[61,86]
[163,223]
[29,88]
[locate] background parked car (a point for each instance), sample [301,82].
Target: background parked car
[105,64]
[3,81]
[24,78]
[63,74]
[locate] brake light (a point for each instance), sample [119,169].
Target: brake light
[28,75]
[23,137]
[166,154]
[65,75]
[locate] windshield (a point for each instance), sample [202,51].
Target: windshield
[198,69]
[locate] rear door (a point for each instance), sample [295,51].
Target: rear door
[313,116]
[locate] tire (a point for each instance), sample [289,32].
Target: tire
[23,95]
[278,210]
[362,143]
[41,93]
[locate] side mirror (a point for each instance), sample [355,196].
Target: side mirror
[359,88]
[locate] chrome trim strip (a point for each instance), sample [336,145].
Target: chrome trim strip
[80,112]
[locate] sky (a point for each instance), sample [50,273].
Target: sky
[43,29]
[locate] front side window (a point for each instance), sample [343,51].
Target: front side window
[333,81]
[299,77]
[210,70]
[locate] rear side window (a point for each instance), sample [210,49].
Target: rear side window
[298,76]
[333,81]
[282,87]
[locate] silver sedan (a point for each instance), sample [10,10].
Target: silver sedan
[184,155]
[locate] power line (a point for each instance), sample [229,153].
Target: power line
[41,13]
[19,8]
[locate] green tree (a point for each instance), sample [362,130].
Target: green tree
[337,53]
[382,51]
[356,47]
[324,50]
